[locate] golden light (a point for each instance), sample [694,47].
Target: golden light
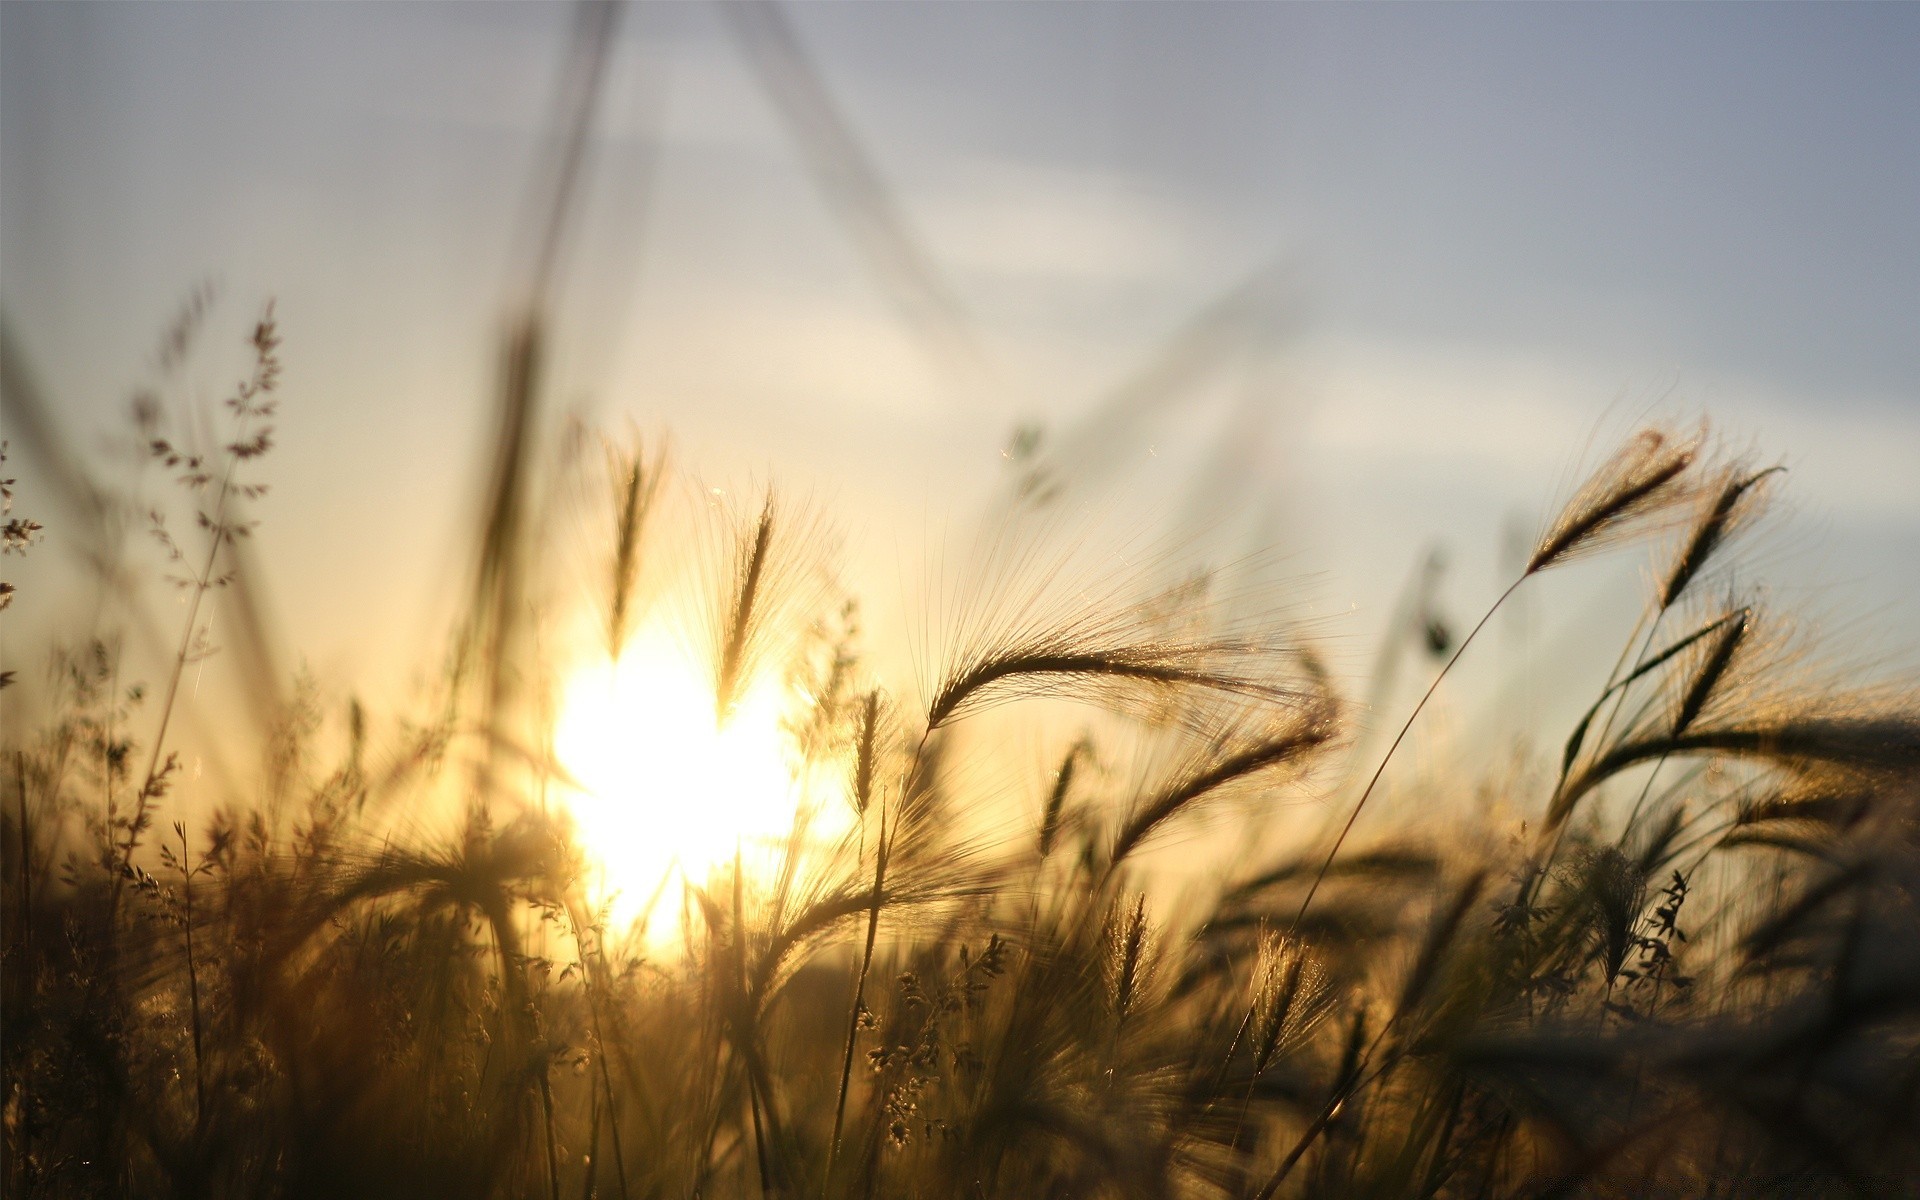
[669,793]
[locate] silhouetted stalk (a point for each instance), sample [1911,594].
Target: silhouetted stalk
[740,618]
[546,1108]
[590,1178]
[606,1077]
[881,845]
[741,1032]
[193,980]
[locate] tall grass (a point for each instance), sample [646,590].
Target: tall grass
[1691,968]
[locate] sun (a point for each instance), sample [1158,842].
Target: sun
[668,792]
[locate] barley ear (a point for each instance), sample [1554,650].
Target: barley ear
[1640,479]
[636,484]
[736,631]
[1718,521]
[1057,795]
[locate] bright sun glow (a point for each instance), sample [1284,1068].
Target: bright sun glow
[669,793]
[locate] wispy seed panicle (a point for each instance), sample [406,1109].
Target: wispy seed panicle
[1290,997]
[740,616]
[1732,503]
[1640,478]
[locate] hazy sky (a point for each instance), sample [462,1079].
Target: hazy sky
[1493,230]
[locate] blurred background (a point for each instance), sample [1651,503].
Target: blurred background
[1348,284]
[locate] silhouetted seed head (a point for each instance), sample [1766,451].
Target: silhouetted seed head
[752,564]
[1140,658]
[1712,669]
[636,483]
[1731,504]
[1577,739]
[864,751]
[1057,795]
[1873,744]
[1023,668]
[1289,998]
[1291,744]
[1127,954]
[1641,478]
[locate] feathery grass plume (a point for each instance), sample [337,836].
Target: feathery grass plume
[1730,505]
[1729,634]
[1291,997]
[1129,955]
[1807,815]
[750,566]
[1643,479]
[636,484]
[866,751]
[1035,629]
[1076,660]
[771,573]
[1247,744]
[1713,668]
[1615,889]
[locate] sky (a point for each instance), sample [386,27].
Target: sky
[1469,243]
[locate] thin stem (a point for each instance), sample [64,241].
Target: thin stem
[546,1108]
[193,983]
[591,1176]
[742,1033]
[859,997]
[600,1045]
[1320,875]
